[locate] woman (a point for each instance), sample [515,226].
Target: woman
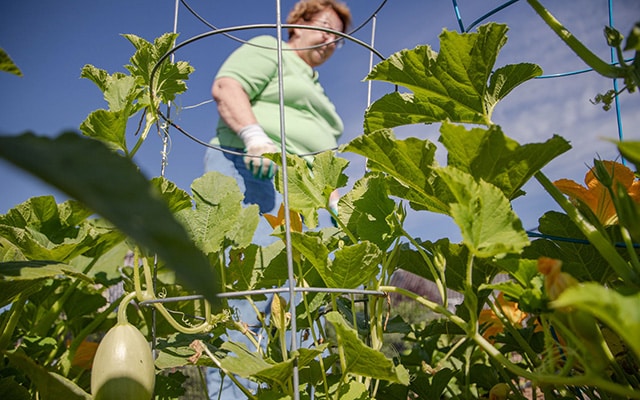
[246,91]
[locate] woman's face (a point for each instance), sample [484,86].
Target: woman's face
[305,38]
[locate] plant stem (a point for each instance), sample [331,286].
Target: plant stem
[122,308]
[136,273]
[203,382]
[595,237]
[449,353]
[314,334]
[633,256]
[79,338]
[387,270]
[230,375]
[433,306]
[583,380]
[141,137]
[46,321]
[354,314]
[242,328]
[223,275]
[531,355]
[150,295]
[148,278]
[592,60]
[467,372]
[12,320]
[341,355]
[262,321]
[434,272]
[203,327]
[342,225]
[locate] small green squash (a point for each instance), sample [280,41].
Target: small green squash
[123,367]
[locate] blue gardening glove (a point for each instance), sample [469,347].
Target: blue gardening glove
[256,144]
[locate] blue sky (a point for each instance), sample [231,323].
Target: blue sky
[52,41]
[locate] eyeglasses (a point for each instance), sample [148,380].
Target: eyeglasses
[338,40]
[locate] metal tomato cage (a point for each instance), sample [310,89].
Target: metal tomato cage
[291,288]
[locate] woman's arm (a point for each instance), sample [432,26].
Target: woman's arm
[234,108]
[233,102]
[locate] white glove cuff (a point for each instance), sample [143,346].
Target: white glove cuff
[253,135]
[333,203]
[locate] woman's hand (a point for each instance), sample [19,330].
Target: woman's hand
[256,144]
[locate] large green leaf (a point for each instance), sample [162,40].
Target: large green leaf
[368,211]
[26,277]
[176,198]
[128,94]
[409,164]
[312,248]
[174,351]
[32,270]
[219,218]
[429,385]
[51,386]
[449,85]
[120,90]
[104,262]
[488,225]
[456,257]
[9,290]
[114,187]
[361,359]
[353,390]
[564,241]
[246,267]
[522,270]
[490,155]
[271,261]
[620,313]
[251,364]
[109,127]
[10,389]
[170,77]
[44,230]
[630,150]
[36,246]
[310,188]
[41,213]
[351,266]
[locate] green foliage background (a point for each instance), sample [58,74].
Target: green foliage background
[57,259]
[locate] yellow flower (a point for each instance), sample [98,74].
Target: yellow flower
[555,281]
[596,196]
[492,323]
[276,221]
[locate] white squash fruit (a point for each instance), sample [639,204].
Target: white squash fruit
[123,367]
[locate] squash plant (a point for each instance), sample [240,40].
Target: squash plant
[58,260]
